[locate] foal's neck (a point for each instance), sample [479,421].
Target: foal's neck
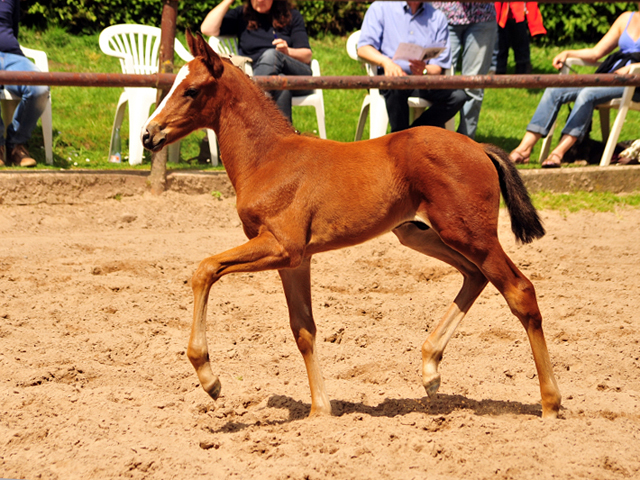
[249,126]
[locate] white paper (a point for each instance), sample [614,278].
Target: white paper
[411,51]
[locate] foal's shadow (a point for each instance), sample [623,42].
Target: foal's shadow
[442,405]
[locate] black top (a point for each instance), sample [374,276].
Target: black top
[253,43]
[9,20]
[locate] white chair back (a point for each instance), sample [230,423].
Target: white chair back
[137,47]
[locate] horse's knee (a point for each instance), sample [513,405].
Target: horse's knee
[521,297]
[305,341]
[203,277]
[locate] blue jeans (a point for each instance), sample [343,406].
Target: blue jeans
[580,118]
[33,103]
[273,62]
[476,42]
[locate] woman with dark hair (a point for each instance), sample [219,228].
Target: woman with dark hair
[272,34]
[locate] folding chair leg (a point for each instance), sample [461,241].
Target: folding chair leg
[47,133]
[322,131]
[117,121]
[362,119]
[546,143]
[379,119]
[612,140]
[213,147]
[138,114]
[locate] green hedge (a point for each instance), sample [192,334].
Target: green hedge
[565,22]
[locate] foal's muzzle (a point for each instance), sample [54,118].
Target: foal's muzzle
[153,137]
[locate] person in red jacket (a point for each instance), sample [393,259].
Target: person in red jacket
[516,21]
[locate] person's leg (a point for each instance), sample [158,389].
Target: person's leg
[455,39]
[397,108]
[542,120]
[272,62]
[478,43]
[521,48]
[547,110]
[502,56]
[444,105]
[554,160]
[34,100]
[32,104]
[577,125]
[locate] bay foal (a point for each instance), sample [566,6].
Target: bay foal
[437,191]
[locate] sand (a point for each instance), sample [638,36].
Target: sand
[95,311]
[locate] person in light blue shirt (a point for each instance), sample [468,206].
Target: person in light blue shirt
[385,26]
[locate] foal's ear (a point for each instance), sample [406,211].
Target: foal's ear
[200,48]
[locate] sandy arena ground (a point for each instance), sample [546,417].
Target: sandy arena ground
[95,310]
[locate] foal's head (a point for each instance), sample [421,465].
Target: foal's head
[192,102]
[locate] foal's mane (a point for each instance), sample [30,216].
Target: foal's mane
[239,81]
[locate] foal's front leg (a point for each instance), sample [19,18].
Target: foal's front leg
[260,253]
[297,289]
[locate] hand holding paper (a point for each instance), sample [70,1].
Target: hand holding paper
[411,51]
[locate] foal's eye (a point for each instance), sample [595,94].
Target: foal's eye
[191,92]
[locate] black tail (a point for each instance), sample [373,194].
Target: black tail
[525,222]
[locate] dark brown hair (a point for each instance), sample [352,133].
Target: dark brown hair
[280,14]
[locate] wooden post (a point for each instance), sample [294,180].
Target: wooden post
[158,175]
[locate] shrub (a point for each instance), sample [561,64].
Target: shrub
[566,23]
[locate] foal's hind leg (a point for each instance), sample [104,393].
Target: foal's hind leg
[428,242]
[297,289]
[520,294]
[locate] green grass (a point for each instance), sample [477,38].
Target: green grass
[83,116]
[580,200]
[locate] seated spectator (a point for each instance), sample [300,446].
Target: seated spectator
[13,150]
[385,26]
[622,32]
[272,34]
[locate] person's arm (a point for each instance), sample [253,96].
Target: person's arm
[302,54]
[606,45]
[213,21]
[626,69]
[299,48]
[371,55]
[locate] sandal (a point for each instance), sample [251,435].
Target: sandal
[550,163]
[517,158]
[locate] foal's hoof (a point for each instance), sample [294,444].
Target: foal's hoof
[432,385]
[214,389]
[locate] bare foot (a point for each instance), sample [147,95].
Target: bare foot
[552,161]
[518,158]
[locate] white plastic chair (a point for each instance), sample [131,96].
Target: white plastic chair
[229,46]
[374,101]
[622,104]
[137,47]
[10,103]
